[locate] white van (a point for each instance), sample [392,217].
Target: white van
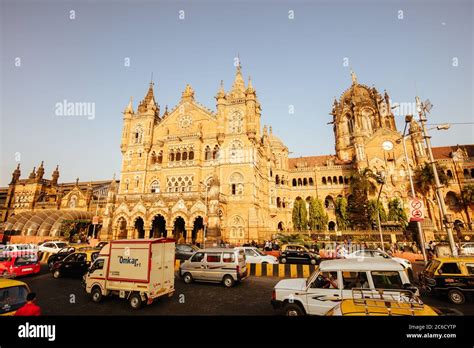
[333,281]
[139,270]
[254,255]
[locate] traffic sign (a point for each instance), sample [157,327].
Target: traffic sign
[416,210]
[95,220]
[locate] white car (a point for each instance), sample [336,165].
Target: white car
[467,249]
[52,246]
[375,253]
[254,255]
[334,280]
[19,249]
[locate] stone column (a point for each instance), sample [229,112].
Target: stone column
[130,232]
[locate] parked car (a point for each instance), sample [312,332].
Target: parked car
[453,277]
[255,255]
[18,266]
[334,280]
[20,249]
[467,249]
[12,296]
[295,253]
[370,303]
[75,264]
[52,246]
[184,251]
[217,265]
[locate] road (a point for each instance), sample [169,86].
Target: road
[65,296]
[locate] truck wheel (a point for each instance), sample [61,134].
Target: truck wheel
[456,296]
[188,278]
[56,274]
[283,260]
[135,301]
[293,310]
[96,295]
[228,281]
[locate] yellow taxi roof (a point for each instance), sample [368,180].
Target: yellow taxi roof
[455,258]
[6,283]
[377,308]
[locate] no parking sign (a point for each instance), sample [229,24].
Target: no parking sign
[416,210]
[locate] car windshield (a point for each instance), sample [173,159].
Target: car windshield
[308,280]
[61,245]
[12,298]
[259,252]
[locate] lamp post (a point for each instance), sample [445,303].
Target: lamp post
[381,180]
[421,236]
[422,108]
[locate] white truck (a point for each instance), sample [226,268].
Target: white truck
[139,270]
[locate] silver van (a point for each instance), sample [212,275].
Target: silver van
[216,265]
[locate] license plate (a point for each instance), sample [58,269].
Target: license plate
[27,269]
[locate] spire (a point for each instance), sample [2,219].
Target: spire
[188,93]
[55,176]
[16,174]
[40,172]
[354,77]
[33,174]
[250,89]
[129,108]
[150,95]
[239,84]
[221,92]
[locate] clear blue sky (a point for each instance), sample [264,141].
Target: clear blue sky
[292,62]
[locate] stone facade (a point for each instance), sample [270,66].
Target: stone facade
[190,171]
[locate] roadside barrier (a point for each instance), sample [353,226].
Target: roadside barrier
[273,270]
[43,256]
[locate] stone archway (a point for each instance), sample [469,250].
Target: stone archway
[331,226]
[139,228]
[281,226]
[158,227]
[198,230]
[179,229]
[121,228]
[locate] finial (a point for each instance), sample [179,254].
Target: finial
[354,77]
[151,80]
[77,181]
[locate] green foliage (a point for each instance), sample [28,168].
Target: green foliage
[300,215]
[424,178]
[373,208]
[396,212]
[467,194]
[342,216]
[361,184]
[318,219]
[293,239]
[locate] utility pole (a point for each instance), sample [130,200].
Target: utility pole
[380,180]
[447,219]
[421,236]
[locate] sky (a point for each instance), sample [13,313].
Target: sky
[298,53]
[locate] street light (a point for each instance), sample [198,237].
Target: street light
[422,109]
[207,217]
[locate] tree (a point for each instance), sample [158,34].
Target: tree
[424,178]
[467,194]
[318,219]
[372,212]
[361,185]
[396,212]
[342,216]
[299,215]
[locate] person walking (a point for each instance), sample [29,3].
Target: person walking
[29,309]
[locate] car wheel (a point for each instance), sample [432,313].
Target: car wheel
[56,274]
[313,261]
[50,265]
[293,310]
[135,301]
[96,295]
[283,260]
[188,278]
[456,296]
[228,281]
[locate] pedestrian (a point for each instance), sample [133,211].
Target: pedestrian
[29,309]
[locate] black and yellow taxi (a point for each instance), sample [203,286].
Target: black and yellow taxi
[451,276]
[75,264]
[12,296]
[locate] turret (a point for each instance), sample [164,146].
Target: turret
[16,174]
[32,174]
[127,117]
[55,176]
[40,172]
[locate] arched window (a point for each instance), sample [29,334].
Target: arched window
[237,184]
[311,183]
[207,156]
[191,155]
[237,226]
[215,152]
[329,202]
[277,180]
[305,182]
[138,135]
[472,172]
[284,202]
[160,157]
[294,182]
[346,180]
[185,156]
[341,180]
[127,184]
[155,187]
[172,156]
[300,183]
[153,157]
[178,155]
[334,180]
[236,122]
[278,202]
[452,200]
[236,151]
[329,180]
[283,180]
[323,180]
[466,174]
[137,181]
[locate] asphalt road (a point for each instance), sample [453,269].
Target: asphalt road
[65,296]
